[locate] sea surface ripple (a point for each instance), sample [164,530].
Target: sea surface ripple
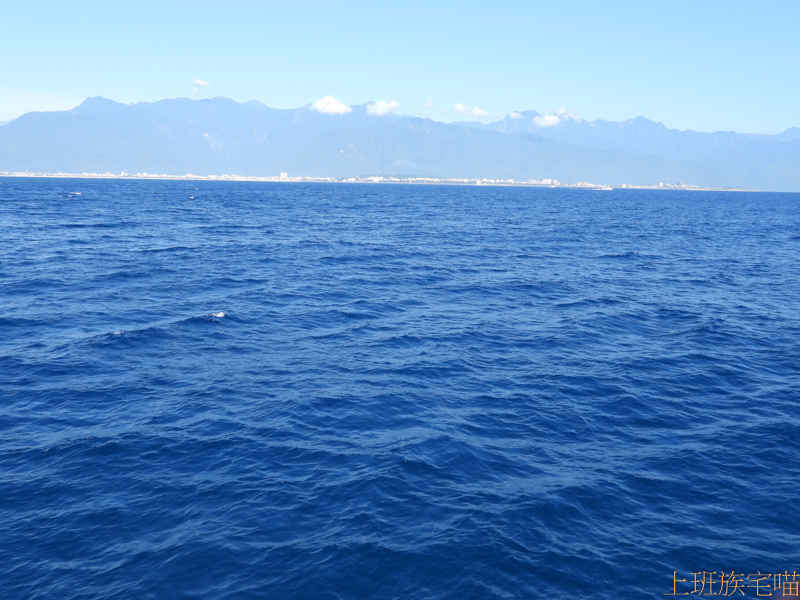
[249,390]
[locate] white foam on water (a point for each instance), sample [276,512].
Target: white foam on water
[120,332]
[219,314]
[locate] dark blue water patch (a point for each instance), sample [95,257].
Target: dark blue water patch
[241,390]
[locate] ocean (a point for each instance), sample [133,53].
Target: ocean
[227,390]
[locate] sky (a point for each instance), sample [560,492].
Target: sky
[705,65]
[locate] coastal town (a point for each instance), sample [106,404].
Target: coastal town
[284,177]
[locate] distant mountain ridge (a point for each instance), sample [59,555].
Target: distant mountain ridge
[221,136]
[639,135]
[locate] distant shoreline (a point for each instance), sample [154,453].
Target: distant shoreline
[379,179]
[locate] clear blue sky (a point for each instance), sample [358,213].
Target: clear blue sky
[703,65]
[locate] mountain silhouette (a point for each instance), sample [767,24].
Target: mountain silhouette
[221,136]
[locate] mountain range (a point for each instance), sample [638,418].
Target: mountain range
[221,136]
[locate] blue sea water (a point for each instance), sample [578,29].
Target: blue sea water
[249,390]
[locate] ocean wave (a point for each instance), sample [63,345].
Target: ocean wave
[419,392]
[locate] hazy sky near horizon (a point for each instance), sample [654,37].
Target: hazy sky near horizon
[703,65]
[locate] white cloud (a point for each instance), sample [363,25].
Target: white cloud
[427,103]
[561,115]
[546,120]
[470,112]
[200,83]
[515,115]
[381,108]
[330,106]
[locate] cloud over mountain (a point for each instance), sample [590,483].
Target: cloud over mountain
[330,106]
[561,115]
[546,120]
[381,108]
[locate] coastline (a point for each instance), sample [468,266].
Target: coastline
[545,183]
